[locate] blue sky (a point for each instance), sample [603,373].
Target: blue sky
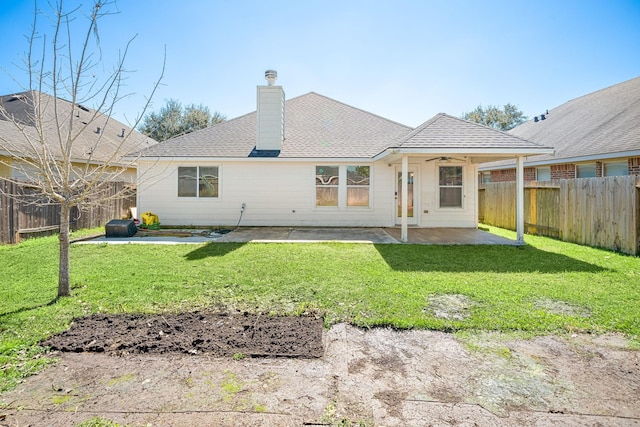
[404,60]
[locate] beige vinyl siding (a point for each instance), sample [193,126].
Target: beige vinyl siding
[283,193]
[275,194]
[436,216]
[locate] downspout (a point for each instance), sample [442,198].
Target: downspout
[520,200]
[404,235]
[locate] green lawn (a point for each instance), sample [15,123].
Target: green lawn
[367,285]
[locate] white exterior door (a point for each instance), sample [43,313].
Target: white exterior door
[411,191]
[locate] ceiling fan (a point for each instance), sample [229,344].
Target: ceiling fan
[446,159]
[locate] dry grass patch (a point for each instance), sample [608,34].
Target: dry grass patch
[449,306]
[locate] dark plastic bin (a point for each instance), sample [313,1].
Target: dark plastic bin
[120,228]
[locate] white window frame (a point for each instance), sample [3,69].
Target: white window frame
[461,186]
[343,187]
[546,168]
[197,196]
[362,186]
[585,165]
[619,163]
[316,186]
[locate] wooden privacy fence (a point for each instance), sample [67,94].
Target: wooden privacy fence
[23,215]
[600,212]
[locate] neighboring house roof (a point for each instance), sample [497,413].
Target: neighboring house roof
[315,127]
[19,119]
[603,124]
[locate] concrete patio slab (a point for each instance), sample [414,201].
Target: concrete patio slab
[450,236]
[308,234]
[372,235]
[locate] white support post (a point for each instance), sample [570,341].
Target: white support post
[404,235]
[520,200]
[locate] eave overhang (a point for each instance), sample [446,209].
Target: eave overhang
[494,153]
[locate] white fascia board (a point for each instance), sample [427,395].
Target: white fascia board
[496,168]
[591,158]
[563,160]
[258,159]
[494,152]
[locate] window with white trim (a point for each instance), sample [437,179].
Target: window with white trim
[343,186]
[198,181]
[543,173]
[327,182]
[450,183]
[586,170]
[358,180]
[615,168]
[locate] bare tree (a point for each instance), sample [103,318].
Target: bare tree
[50,137]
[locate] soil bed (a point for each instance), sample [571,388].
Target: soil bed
[215,334]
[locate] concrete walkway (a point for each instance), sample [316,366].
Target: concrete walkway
[375,235]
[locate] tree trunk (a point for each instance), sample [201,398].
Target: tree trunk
[64,284]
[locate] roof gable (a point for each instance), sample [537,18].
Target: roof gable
[448,132]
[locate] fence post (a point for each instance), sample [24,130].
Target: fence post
[533,207]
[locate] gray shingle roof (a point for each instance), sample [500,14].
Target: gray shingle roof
[604,122]
[102,145]
[320,127]
[447,132]
[315,127]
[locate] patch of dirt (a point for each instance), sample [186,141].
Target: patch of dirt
[561,307]
[449,306]
[122,368]
[239,334]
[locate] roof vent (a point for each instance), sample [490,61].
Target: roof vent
[122,134]
[542,117]
[271,76]
[98,129]
[535,119]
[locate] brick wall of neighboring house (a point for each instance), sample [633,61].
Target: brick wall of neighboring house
[564,171]
[506,175]
[634,166]
[503,175]
[529,174]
